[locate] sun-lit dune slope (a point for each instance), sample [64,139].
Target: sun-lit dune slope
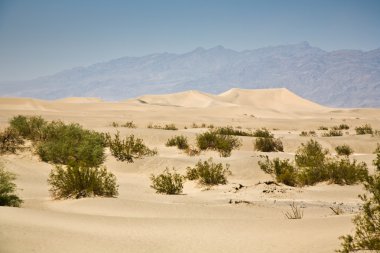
[79,100]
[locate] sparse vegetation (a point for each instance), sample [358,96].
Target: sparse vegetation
[367,222]
[345,172]
[128,149]
[337,210]
[295,212]
[179,141]
[310,133]
[224,144]
[81,182]
[376,162]
[29,127]
[229,130]
[323,128]
[265,144]
[341,127]
[344,150]
[263,133]
[166,127]
[10,141]
[209,173]
[167,182]
[365,129]
[333,133]
[283,170]
[8,196]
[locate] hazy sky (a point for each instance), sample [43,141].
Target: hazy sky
[40,37]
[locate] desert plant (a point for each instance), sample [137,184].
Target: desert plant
[10,141]
[337,210]
[344,150]
[264,133]
[310,133]
[283,170]
[209,173]
[367,222]
[81,182]
[341,127]
[332,133]
[224,144]
[345,172]
[170,127]
[71,144]
[229,130]
[365,129]
[8,196]
[265,144]
[167,182]
[129,124]
[128,149]
[323,128]
[179,141]
[295,212]
[115,124]
[29,127]
[192,151]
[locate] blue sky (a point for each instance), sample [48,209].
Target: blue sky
[42,37]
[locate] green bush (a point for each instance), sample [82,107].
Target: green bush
[229,130]
[179,141]
[283,170]
[310,154]
[345,172]
[344,150]
[128,149]
[209,173]
[167,182]
[332,133]
[367,222]
[376,162]
[263,133]
[81,182]
[10,141]
[365,129]
[268,145]
[224,144]
[8,196]
[71,145]
[29,127]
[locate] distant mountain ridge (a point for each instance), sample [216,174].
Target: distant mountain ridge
[343,78]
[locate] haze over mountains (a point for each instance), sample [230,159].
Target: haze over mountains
[343,78]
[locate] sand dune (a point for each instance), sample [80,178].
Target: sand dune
[200,220]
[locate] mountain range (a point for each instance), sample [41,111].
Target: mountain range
[341,78]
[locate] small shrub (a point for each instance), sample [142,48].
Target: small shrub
[333,133]
[192,151]
[343,127]
[229,130]
[179,141]
[115,124]
[345,172]
[376,162]
[209,173]
[295,212]
[263,133]
[29,127]
[310,154]
[310,133]
[367,222]
[129,124]
[323,128]
[167,182]
[81,182]
[170,127]
[337,210]
[71,144]
[10,141]
[130,148]
[264,144]
[283,170]
[344,150]
[365,129]
[8,196]
[224,144]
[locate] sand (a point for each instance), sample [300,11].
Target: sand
[220,219]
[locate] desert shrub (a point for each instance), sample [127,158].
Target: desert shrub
[367,222]
[29,127]
[167,182]
[71,144]
[264,144]
[365,129]
[192,151]
[81,182]
[332,133]
[310,154]
[209,173]
[115,124]
[341,127]
[179,141]
[10,141]
[345,172]
[283,170]
[376,162]
[129,124]
[229,130]
[224,144]
[263,133]
[344,150]
[170,127]
[8,196]
[310,133]
[295,212]
[323,128]
[128,149]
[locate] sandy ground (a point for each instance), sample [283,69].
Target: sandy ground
[221,219]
